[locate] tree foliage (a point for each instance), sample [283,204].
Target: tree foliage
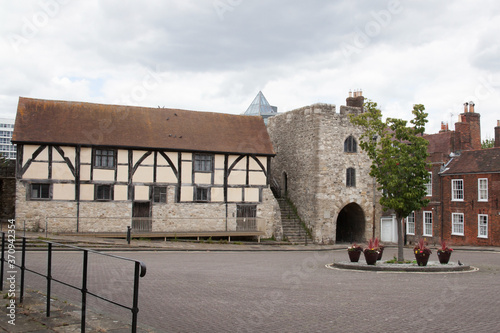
[488,143]
[399,160]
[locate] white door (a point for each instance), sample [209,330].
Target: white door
[388,231]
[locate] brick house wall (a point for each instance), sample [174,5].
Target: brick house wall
[471,208]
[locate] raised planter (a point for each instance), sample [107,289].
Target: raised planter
[371,257]
[354,255]
[422,258]
[444,256]
[381,251]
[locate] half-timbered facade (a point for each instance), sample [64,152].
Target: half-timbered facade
[90,167]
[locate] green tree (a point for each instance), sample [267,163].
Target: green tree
[399,160]
[488,143]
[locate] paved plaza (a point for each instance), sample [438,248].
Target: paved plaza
[287,291]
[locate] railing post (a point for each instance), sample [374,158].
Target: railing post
[46,228]
[23,267]
[2,261]
[84,289]
[135,308]
[128,234]
[49,276]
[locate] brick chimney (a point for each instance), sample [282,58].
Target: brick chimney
[444,127]
[357,100]
[497,135]
[468,129]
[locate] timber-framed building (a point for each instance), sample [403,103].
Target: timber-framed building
[84,167]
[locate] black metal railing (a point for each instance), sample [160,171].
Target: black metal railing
[9,251]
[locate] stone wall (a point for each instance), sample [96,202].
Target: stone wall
[115,216]
[309,143]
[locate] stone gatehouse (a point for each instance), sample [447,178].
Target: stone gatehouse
[320,167]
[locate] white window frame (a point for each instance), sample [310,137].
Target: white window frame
[455,191]
[482,190]
[485,217]
[426,224]
[456,224]
[428,186]
[410,221]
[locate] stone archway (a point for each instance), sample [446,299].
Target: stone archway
[351,224]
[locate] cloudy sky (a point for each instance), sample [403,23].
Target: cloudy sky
[215,55]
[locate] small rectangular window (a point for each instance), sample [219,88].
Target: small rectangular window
[201,194]
[410,224]
[104,158]
[203,163]
[350,177]
[160,194]
[482,192]
[427,224]
[40,191]
[457,224]
[482,229]
[457,190]
[103,192]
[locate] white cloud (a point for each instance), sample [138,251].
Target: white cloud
[216,55]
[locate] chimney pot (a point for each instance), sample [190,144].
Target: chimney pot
[350,93]
[466,109]
[471,106]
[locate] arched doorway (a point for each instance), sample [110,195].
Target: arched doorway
[350,224]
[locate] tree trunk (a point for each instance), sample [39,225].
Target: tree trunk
[399,221]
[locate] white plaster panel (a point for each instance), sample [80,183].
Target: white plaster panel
[143,174]
[141,193]
[70,153]
[86,155]
[63,192]
[86,192]
[85,172]
[187,172]
[56,156]
[219,177]
[234,194]
[61,171]
[122,156]
[104,174]
[122,173]
[187,156]
[252,195]
[37,170]
[120,192]
[253,165]
[217,194]
[202,178]
[137,154]
[237,178]
[257,178]
[28,151]
[165,175]
[187,193]
[219,161]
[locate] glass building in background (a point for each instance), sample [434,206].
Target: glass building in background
[7,149]
[261,107]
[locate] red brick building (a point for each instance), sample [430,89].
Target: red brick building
[465,187]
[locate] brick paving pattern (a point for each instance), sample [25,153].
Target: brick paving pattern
[293,291]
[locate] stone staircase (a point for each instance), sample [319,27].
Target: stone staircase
[292,229]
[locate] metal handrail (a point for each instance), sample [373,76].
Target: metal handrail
[139,271]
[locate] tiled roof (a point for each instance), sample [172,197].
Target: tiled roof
[440,142]
[88,124]
[475,161]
